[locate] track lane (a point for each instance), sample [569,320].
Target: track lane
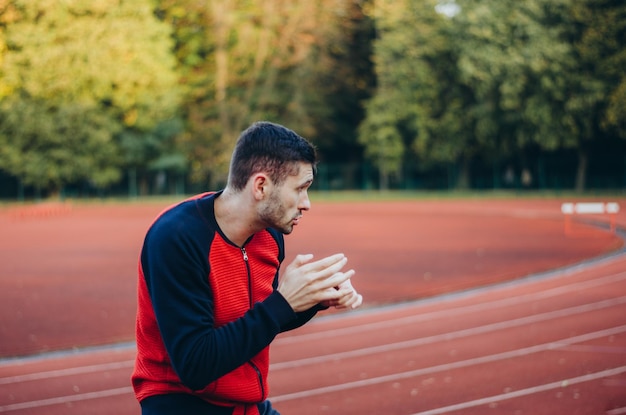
[330,398]
[408,361]
[460,322]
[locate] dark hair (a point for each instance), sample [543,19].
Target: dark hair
[271,148]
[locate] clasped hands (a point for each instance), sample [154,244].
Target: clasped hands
[306,283]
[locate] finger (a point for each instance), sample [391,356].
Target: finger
[299,262]
[337,281]
[302,259]
[351,301]
[357,302]
[321,268]
[322,278]
[346,284]
[331,297]
[345,301]
[335,293]
[325,263]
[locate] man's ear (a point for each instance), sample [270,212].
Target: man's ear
[260,185]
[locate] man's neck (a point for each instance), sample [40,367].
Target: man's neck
[235,215]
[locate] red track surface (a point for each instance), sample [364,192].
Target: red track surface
[549,344]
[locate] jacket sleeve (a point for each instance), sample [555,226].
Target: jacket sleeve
[302,318]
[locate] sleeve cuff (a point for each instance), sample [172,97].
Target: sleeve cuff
[281,310]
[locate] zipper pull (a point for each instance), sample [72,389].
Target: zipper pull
[245,254]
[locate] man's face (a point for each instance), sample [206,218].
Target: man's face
[284,206]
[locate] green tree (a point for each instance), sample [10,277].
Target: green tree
[88,71]
[49,147]
[596,88]
[242,61]
[341,79]
[513,57]
[546,73]
[418,104]
[493,80]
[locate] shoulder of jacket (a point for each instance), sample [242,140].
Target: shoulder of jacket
[280,241]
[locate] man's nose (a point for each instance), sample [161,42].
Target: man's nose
[305,202]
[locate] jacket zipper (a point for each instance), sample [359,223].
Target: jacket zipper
[260,377]
[256,369]
[245,259]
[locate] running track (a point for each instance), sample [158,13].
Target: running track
[551,343]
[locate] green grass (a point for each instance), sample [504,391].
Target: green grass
[366,195]
[391,195]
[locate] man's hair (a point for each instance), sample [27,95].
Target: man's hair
[270,148]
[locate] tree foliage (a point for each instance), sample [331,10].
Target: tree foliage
[49,147]
[513,57]
[90,90]
[419,104]
[76,73]
[342,78]
[243,61]
[494,78]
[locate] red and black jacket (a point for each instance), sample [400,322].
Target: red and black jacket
[208,309]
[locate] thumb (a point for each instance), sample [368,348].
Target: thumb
[302,259]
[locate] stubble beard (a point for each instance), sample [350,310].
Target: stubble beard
[273,214]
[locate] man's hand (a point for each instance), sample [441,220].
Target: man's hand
[351,300]
[306,283]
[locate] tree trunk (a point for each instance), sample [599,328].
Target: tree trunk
[581,172]
[384,179]
[221,27]
[463,181]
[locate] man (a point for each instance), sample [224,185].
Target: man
[210,300]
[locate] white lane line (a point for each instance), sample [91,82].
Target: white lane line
[595,349]
[106,349]
[616,411]
[449,312]
[125,390]
[80,370]
[374,326]
[385,348]
[450,366]
[352,353]
[528,391]
[352,385]
[65,399]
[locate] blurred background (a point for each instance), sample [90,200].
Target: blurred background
[147,97]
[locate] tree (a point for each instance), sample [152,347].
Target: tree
[341,79]
[418,104]
[596,82]
[494,79]
[49,147]
[86,71]
[242,61]
[513,57]
[547,72]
